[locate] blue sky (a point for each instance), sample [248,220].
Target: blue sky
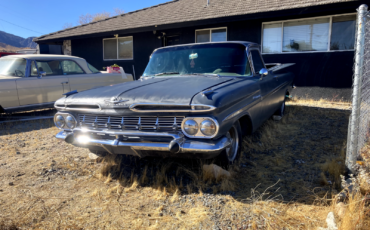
[46,16]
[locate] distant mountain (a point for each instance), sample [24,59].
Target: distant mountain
[16,41]
[29,43]
[8,48]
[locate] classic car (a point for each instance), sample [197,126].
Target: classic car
[193,101]
[37,81]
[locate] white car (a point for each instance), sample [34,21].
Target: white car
[30,82]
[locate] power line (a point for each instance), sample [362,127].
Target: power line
[12,12]
[21,26]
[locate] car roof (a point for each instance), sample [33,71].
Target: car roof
[43,56]
[245,43]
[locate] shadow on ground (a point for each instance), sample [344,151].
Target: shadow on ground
[10,125]
[301,157]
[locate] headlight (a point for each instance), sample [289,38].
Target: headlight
[59,121]
[208,127]
[191,127]
[70,122]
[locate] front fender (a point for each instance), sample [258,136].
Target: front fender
[233,100]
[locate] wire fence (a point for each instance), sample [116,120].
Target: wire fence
[359,123]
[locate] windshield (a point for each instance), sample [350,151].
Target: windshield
[228,59]
[13,67]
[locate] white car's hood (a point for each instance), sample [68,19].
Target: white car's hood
[4,77]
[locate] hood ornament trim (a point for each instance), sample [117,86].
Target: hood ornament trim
[115,100]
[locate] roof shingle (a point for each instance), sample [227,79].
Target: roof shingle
[177,11]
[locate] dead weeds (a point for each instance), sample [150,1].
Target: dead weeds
[285,179]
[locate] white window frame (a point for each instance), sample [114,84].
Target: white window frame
[304,19]
[117,48]
[210,33]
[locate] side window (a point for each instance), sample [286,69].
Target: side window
[49,67]
[92,68]
[34,72]
[71,67]
[257,61]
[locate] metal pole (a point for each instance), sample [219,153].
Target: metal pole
[356,100]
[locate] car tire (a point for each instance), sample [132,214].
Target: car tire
[281,110]
[230,155]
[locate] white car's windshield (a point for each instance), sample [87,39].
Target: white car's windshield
[13,67]
[228,59]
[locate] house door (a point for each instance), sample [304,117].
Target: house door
[172,40]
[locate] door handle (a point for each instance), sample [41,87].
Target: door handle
[276,77]
[65,82]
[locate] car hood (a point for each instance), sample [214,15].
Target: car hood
[159,90]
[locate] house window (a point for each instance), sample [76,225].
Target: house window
[343,33]
[307,35]
[315,34]
[120,48]
[211,35]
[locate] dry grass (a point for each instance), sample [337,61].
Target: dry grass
[286,179]
[356,213]
[8,48]
[323,103]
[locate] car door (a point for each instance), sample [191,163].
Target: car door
[267,85]
[8,92]
[40,89]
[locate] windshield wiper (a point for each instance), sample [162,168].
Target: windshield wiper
[206,74]
[166,73]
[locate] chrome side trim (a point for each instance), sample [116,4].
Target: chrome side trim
[132,108]
[281,66]
[29,107]
[241,111]
[275,90]
[199,134]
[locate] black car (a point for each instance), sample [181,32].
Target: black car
[193,101]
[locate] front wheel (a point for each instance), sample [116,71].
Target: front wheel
[280,112]
[232,153]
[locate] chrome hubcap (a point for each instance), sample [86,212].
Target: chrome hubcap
[282,108]
[232,150]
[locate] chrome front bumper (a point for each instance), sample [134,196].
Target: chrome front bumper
[122,143]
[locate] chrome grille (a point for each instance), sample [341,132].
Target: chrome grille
[130,123]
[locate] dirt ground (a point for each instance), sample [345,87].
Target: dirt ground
[288,172]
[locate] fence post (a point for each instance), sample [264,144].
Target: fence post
[352,142]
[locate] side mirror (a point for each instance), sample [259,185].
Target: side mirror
[264,71]
[42,74]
